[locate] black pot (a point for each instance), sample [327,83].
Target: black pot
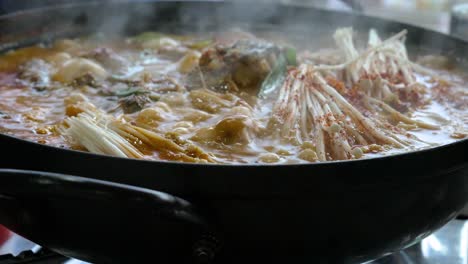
[347,211]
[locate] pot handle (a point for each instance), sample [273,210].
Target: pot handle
[102,222]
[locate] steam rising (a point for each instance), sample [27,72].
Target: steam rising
[303,26]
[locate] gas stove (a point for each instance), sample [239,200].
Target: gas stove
[448,245]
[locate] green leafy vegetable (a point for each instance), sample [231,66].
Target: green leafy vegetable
[201,44]
[291,56]
[146,36]
[275,78]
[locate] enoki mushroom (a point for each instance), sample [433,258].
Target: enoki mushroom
[309,109]
[382,74]
[103,134]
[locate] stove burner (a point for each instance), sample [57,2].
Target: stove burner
[448,245]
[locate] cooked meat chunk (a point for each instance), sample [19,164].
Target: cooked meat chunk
[234,129]
[134,103]
[241,66]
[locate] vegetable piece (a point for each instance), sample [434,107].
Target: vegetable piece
[291,56]
[189,61]
[130,91]
[77,103]
[357,152]
[160,43]
[147,36]
[382,74]
[58,59]
[103,134]
[390,73]
[275,78]
[78,67]
[154,40]
[150,117]
[174,99]
[209,101]
[199,45]
[269,158]
[90,131]
[308,155]
[231,130]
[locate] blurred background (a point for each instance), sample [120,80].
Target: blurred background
[432,14]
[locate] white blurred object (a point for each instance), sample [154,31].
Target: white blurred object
[327,4]
[435,5]
[430,14]
[459,21]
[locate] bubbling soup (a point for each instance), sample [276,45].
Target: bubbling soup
[232,97]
